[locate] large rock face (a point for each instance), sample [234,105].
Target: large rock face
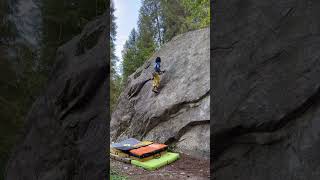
[266,81]
[180,113]
[66,130]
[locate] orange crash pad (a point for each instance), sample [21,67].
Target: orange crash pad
[149,150]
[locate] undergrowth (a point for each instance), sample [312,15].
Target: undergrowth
[114,175]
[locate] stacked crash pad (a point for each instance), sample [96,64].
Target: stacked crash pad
[156,163]
[145,154]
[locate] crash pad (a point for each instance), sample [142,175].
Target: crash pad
[149,150]
[154,164]
[119,153]
[142,143]
[154,156]
[126,145]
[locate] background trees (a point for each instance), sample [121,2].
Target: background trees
[115,78]
[159,21]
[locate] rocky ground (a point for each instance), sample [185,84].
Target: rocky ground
[187,167]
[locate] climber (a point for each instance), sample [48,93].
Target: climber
[156,75]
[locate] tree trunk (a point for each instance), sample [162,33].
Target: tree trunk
[158,25]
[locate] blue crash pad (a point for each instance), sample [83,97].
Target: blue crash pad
[126,145]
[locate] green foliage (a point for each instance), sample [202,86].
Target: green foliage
[174,18]
[151,21]
[129,54]
[114,175]
[113,34]
[115,90]
[142,44]
[116,79]
[199,13]
[136,50]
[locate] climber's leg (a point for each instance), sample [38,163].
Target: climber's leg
[156,82]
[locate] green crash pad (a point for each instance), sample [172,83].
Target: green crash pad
[156,163]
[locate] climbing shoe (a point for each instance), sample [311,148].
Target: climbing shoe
[154,90]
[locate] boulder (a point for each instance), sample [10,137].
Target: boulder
[179,115]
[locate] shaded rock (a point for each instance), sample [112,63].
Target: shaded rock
[66,128]
[196,139]
[266,89]
[182,104]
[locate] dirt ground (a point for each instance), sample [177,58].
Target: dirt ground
[186,167]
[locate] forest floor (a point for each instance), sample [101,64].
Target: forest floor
[187,167]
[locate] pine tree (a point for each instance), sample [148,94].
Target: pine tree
[199,11]
[129,55]
[174,18]
[142,44]
[116,80]
[113,34]
[151,20]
